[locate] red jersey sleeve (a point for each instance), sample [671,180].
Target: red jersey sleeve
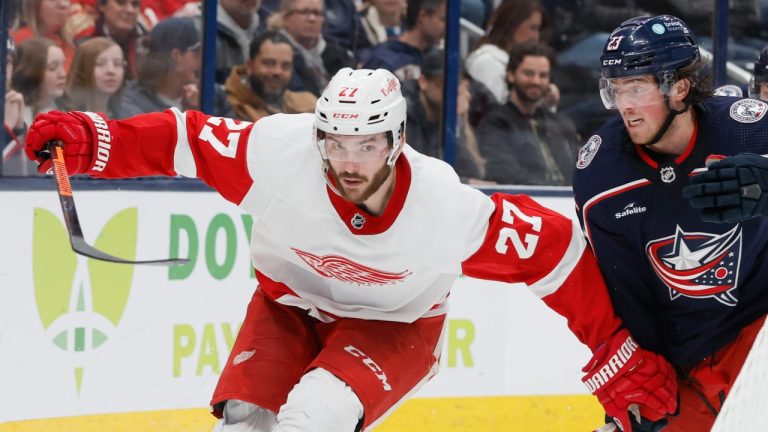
[529,243]
[188,143]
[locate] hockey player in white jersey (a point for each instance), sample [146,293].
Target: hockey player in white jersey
[356,241]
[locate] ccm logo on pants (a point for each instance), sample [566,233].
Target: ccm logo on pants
[371,365]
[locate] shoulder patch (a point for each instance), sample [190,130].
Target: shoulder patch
[588,151]
[748,110]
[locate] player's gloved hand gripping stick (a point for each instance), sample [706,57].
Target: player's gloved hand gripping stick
[630,380]
[55,152]
[732,189]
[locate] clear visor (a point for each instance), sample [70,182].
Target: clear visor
[354,148]
[635,92]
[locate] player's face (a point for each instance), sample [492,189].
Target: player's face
[764,91]
[640,102]
[358,164]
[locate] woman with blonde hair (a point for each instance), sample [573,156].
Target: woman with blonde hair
[46,18]
[96,78]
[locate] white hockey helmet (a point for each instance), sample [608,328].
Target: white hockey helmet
[362,102]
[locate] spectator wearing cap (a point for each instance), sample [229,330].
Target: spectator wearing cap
[522,141]
[168,76]
[424,29]
[260,86]
[119,21]
[315,59]
[424,97]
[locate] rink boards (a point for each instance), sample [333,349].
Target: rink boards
[92,346]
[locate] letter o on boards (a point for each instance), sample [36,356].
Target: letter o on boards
[220,223]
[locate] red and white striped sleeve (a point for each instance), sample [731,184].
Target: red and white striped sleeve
[191,144]
[526,242]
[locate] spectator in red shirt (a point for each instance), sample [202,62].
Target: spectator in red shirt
[46,18]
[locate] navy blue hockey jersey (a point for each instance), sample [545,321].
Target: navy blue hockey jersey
[683,287]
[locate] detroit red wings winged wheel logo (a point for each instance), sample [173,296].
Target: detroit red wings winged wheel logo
[698,265]
[345,270]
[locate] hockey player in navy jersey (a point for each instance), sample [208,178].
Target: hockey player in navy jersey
[356,241]
[682,247]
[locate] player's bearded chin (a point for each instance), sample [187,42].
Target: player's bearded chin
[378,179]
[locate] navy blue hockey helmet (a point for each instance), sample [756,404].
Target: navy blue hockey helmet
[657,46]
[760,73]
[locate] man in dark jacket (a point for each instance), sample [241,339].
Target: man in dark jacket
[522,142]
[424,97]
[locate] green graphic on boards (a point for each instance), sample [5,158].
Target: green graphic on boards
[81,301]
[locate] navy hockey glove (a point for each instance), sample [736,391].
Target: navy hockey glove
[732,189]
[630,380]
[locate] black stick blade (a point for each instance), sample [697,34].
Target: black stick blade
[72,221]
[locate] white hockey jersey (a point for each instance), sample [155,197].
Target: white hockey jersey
[314,250]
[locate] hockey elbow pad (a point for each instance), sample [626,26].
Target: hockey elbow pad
[731,190]
[625,378]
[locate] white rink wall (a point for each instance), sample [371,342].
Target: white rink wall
[81,337]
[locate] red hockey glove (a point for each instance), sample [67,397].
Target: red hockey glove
[76,130]
[622,374]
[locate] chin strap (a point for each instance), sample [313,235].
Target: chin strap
[671,116]
[328,180]
[672,113]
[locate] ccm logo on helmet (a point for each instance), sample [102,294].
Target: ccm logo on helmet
[611,62]
[345,116]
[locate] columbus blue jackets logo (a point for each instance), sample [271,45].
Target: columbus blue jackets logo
[698,265]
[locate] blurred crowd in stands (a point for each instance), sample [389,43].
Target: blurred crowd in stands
[527,95]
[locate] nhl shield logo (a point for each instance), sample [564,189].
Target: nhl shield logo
[588,151]
[667,174]
[748,110]
[357,221]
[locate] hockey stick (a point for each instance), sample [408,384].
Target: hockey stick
[56,152]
